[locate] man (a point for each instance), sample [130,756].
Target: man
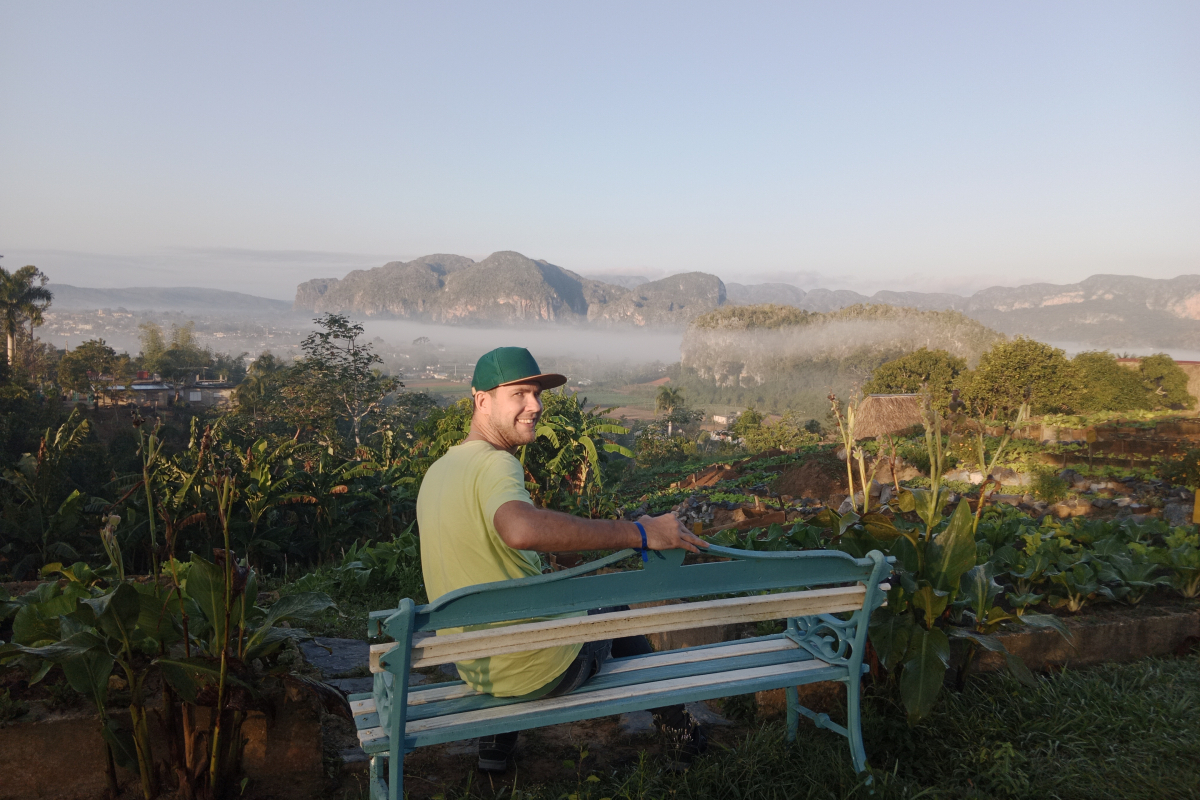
[478,525]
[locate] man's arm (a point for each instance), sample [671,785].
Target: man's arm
[523,526]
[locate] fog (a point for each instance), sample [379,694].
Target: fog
[545,342]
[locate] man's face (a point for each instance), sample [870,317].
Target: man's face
[512,414]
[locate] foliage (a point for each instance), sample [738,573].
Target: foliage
[1049,487]
[40,516]
[94,368]
[23,298]
[923,370]
[338,376]
[791,432]
[1108,386]
[200,633]
[567,462]
[748,421]
[1021,371]
[1166,382]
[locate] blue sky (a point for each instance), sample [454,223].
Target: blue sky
[929,146]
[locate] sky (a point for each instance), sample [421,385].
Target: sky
[926,146]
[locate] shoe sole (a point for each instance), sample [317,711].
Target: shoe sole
[493,764]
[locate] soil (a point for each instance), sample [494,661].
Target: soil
[820,478]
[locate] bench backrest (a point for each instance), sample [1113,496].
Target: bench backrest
[663,577]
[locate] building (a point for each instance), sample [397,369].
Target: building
[208,393]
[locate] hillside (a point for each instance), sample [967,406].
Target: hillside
[1104,311]
[777,357]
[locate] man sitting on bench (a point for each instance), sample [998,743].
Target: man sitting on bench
[479,525]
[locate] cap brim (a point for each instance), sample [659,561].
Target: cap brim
[548,380]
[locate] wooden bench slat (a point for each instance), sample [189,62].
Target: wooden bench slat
[358,707]
[423,695]
[555,632]
[627,678]
[693,655]
[534,708]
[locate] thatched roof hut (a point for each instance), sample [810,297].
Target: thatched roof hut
[880,414]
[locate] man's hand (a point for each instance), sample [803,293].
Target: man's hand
[666,532]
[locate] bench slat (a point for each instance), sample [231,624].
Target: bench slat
[633,677]
[531,711]
[572,630]
[434,693]
[358,707]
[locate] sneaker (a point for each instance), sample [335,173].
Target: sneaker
[495,751]
[686,741]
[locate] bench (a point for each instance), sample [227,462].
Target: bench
[808,588]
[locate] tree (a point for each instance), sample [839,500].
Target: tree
[1167,383]
[1108,386]
[338,373]
[789,433]
[94,367]
[746,424]
[669,400]
[23,297]
[259,392]
[176,358]
[1018,371]
[934,370]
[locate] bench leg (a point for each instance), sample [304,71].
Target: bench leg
[854,723]
[793,712]
[378,789]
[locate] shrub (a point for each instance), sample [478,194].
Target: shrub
[1018,371]
[1049,487]
[788,433]
[1166,382]
[935,370]
[1108,386]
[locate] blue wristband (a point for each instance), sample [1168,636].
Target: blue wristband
[642,531]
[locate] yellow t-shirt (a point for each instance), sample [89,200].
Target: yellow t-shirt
[460,547]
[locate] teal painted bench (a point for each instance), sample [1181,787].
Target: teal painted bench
[809,589]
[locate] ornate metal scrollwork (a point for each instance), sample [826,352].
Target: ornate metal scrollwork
[826,637]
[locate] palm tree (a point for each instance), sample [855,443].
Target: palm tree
[668,400]
[23,296]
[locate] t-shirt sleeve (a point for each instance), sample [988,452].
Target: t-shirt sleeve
[503,481]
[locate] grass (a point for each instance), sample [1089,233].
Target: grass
[1119,731]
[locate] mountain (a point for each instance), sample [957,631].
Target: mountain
[624,281]
[191,299]
[1103,311]
[777,357]
[507,287]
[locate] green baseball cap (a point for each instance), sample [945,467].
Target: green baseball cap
[506,365]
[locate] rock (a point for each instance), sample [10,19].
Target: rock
[637,723]
[1010,477]
[1102,502]
[1177,514]
[885,494]
[1007,499]
[976,478]
[846,507]
[1123,501]
[705,715]
[337,658]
